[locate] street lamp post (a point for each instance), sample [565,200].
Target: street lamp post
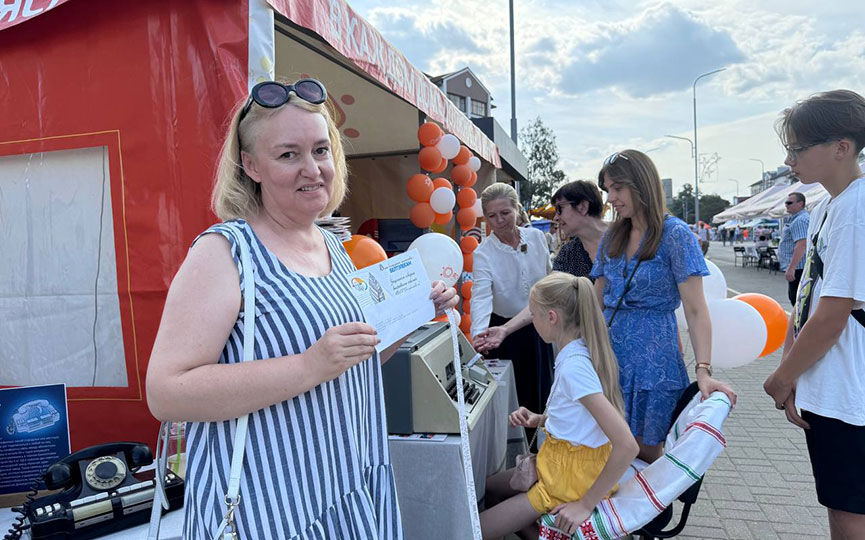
[684,139]
[737,186]
[696,179]
[762,169]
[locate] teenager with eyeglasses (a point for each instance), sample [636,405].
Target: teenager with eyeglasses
[316,461]
[822,372]
[648,263]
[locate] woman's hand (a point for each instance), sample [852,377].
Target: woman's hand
[443,297]
[707,385]
[493,337]
[340,348]
[525,418]
[571,515]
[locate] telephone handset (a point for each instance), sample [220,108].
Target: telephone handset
[100,494]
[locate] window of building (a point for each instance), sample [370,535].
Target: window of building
[459,101]
[479,108]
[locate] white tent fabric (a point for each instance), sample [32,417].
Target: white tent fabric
[742,210]
[763,208]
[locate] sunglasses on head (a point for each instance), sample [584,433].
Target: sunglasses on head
[272,94]
[613,157]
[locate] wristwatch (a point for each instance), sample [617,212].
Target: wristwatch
[705,365]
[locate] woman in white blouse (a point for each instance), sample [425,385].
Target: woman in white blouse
[506,265]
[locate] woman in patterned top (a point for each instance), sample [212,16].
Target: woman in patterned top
[316,459]
[578,215]
[648,261]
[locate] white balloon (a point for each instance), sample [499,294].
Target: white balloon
[738,333]
[449,146]
[442,200]
[474,163]
[478,208]
[715,284]
[442,257]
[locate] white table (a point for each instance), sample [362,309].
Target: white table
[429,474]
[430,483]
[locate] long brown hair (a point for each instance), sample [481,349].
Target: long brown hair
[575,300]
[635,171]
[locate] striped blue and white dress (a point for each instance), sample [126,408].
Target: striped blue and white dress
[316,466]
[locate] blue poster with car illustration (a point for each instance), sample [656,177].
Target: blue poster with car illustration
[34,433]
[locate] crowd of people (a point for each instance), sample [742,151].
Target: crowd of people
[317,462]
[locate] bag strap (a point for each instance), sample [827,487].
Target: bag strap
[858,314]
[624,291]
[232,495]
[544,414]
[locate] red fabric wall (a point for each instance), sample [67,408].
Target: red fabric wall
[154,81]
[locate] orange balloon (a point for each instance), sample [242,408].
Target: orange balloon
[461,175]
[473,180]
[466,218]
[463,156]
[429,158]
[442,182]
[773,314]
[467,308]
[444,219]
[466,323]
[441,318]
[419,188]
[468,262]
[466,289]
[467,243]
[429,134]
[422,215]
[466,198]
[442,166]
[364,251]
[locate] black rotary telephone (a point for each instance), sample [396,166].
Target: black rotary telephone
[100,494]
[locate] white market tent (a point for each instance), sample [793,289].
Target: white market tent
[742,210]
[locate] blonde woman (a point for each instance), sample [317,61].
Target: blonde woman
[648,262]
[588,445]
[316,456]
[506,265]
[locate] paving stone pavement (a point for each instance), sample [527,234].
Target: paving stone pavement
[761,486]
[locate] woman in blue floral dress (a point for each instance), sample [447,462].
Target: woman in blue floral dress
[647,263]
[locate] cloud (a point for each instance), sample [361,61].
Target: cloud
[659,51]
[422,41]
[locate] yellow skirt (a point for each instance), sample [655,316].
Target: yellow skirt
[566,472]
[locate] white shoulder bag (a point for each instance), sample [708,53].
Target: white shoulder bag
[227,529]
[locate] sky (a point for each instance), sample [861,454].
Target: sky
[607,75]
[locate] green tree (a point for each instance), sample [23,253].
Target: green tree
[538,144]
[683,205]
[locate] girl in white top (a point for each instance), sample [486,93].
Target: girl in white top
[588,445]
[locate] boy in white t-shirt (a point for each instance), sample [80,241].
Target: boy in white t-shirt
[823,367]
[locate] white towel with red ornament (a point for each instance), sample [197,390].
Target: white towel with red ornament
[692,444]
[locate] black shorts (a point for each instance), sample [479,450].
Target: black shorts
[837,451]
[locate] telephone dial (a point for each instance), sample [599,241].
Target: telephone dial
[100,494]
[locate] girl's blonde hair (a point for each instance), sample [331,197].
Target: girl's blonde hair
[636,171]
[235,195]
[575,300]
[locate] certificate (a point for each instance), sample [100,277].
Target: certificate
[394,296]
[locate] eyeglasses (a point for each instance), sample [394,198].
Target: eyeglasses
[793,152]
[613,157]
[561,206]
[272,94]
